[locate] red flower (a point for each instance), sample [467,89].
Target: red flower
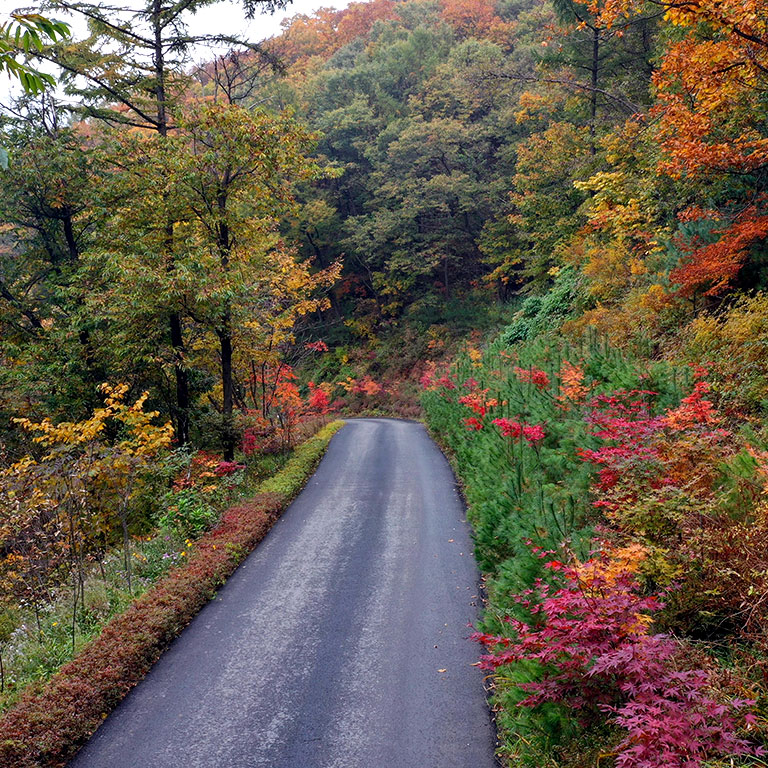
[475,402]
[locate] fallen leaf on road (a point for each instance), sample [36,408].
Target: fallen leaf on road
[442,670]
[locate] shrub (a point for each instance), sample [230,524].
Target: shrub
[289,481]
[45,728]
[187,513]
[735,343]
[590,641]
[541,314]
[556,443]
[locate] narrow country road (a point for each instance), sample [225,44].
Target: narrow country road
[341,642]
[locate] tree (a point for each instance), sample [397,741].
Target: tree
[427,210]
[710,83]
[608,62]
[50,217]
[328,30]
[236,174]
[135,64]
[711,268]
[24,35]
[225,178]
[63,503]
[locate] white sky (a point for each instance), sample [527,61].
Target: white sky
[220,18]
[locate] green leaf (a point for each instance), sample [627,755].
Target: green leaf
[3,159]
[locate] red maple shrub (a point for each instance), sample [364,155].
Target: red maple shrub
[533,433]
[319,399]
[226,468]
[537,377]
[591,641]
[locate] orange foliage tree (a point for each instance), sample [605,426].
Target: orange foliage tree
[475,18]
[327,29]
[710,83]
[710,269]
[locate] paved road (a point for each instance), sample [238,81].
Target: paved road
[325,648]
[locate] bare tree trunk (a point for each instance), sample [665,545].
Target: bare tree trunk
[595,73]
[126,554]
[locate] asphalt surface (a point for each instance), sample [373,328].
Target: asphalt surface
[341,642]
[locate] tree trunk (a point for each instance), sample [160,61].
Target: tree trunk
[228,427]
[225,331]
[69,236]
[174,320]
[182,380]
[595,79]
[126,548]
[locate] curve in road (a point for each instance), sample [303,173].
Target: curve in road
[340,642]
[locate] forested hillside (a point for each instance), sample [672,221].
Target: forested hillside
[546,218]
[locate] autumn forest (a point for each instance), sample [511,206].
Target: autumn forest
[538,226]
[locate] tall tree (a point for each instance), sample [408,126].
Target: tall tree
[21,37]
[49,220]
[226,177]
[610,63]
[236,173]
[135,64]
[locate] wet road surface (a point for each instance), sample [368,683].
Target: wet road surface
[340,642]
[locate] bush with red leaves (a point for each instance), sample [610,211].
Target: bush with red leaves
[591,641]
[44,729]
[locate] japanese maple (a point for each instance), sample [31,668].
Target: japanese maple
[590,640]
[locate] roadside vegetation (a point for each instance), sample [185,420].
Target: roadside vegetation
[541,221]
[50,719]
[619,516]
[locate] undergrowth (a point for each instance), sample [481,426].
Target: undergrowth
[574,455]
[51,719]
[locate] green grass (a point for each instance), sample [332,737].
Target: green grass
[42,643]
[302,462]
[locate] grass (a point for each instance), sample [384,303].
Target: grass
[38,647]
[49,721]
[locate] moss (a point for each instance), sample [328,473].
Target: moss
[291,478]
